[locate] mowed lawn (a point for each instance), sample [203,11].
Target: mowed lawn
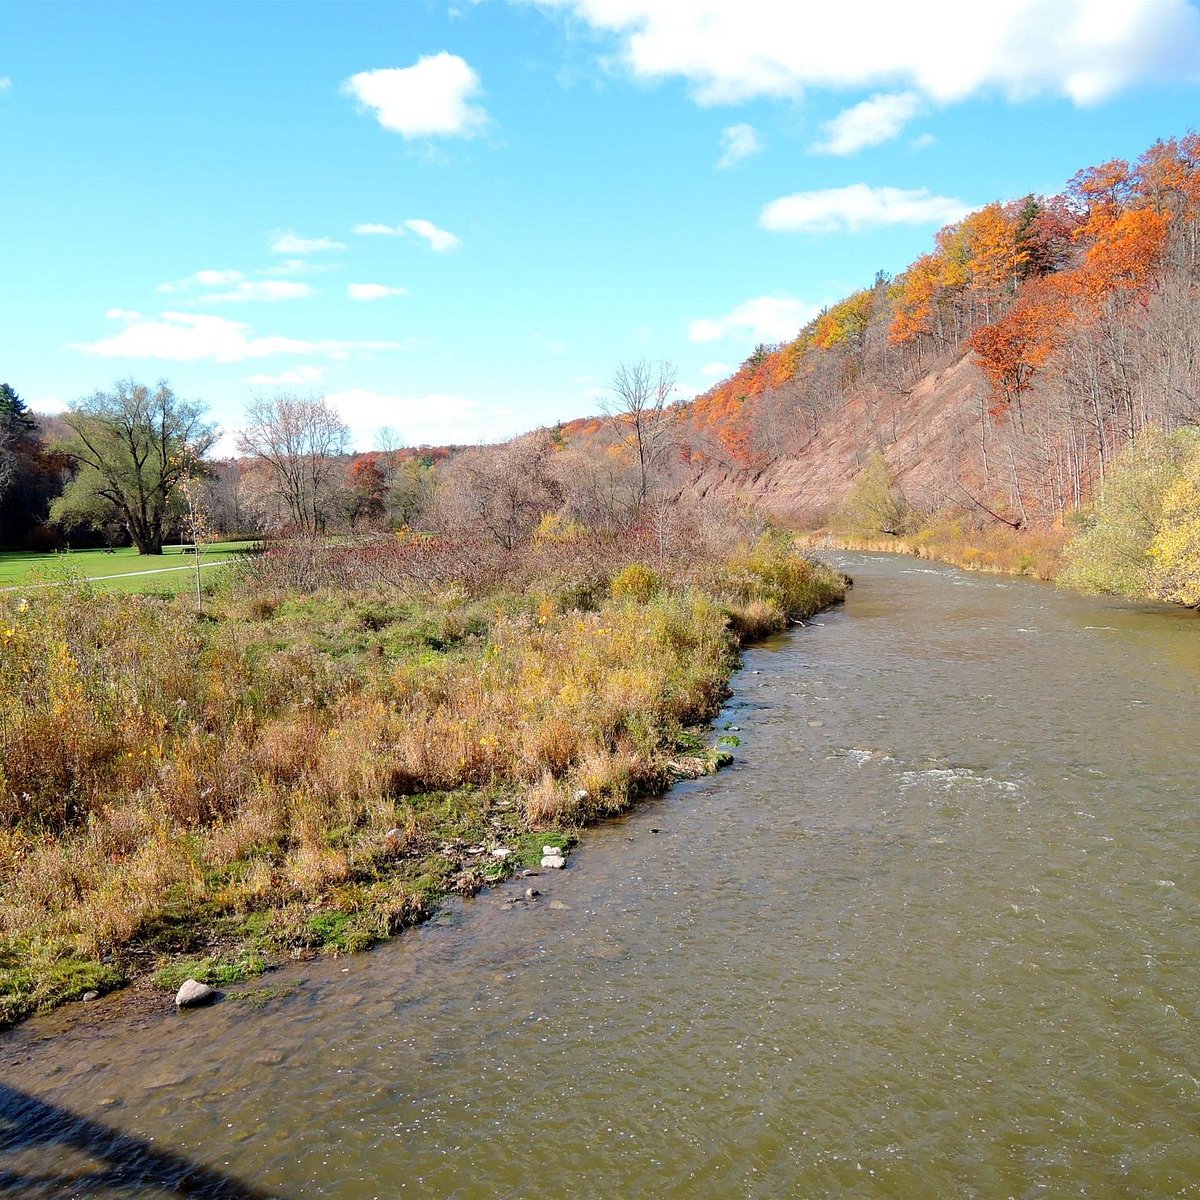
[122,570]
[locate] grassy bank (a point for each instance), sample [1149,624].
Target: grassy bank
[1036,554]
[348,734]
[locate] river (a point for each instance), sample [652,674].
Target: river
[934,934]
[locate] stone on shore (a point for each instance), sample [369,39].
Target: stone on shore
[192,994]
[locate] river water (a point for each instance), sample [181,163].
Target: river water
[934,934]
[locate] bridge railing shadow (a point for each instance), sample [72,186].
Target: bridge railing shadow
[123,1162]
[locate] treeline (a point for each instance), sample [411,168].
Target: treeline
[1081,309]
[132,465]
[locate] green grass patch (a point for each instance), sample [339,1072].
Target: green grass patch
[169,573]
[34,978]
[216,972]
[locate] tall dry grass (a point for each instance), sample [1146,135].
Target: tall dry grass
[996,549]
[334,740]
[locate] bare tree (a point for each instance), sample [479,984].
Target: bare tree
[299,440]
[499,492]
[639,411]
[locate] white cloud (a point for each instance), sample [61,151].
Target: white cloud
[284,241]
[716,370]
[373,291]
[5,83]
[922,141]
[238,289]
[857,207]
[301,374]
[47,405]
[195,337]
[271,290]
[733,50]
[435,419]
[877,119]
[738,143]
[761,319]
[206,278]
[433,98]
[297,266]
[123,314]
[439,240]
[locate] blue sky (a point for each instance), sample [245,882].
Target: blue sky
[456,220]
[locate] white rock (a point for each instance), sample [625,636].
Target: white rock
[554,860]
[192,994]
[554,852]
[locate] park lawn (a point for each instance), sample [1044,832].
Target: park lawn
[146,572]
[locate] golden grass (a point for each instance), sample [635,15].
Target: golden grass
[999,549]
[313,770]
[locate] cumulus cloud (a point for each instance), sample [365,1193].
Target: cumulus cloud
[734,50]
[5,83]
[877,119]
[738,143]
[373,291]
[716,370]
[440,241]
[857,207]
[433,98]
[284,241]
[434,419]
[760,319]
[196,337]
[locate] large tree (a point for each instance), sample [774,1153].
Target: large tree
[300,441]
[131,447]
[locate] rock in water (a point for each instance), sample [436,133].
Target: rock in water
[193,994]
[554,860]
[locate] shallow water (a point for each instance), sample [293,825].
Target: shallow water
[932,935]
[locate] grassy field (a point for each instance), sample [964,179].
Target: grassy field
[121,570]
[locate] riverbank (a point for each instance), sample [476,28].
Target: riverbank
[348,734]
[999,550]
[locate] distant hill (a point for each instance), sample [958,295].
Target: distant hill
[1001,371]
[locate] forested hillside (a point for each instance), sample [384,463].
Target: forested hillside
[1003,370]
